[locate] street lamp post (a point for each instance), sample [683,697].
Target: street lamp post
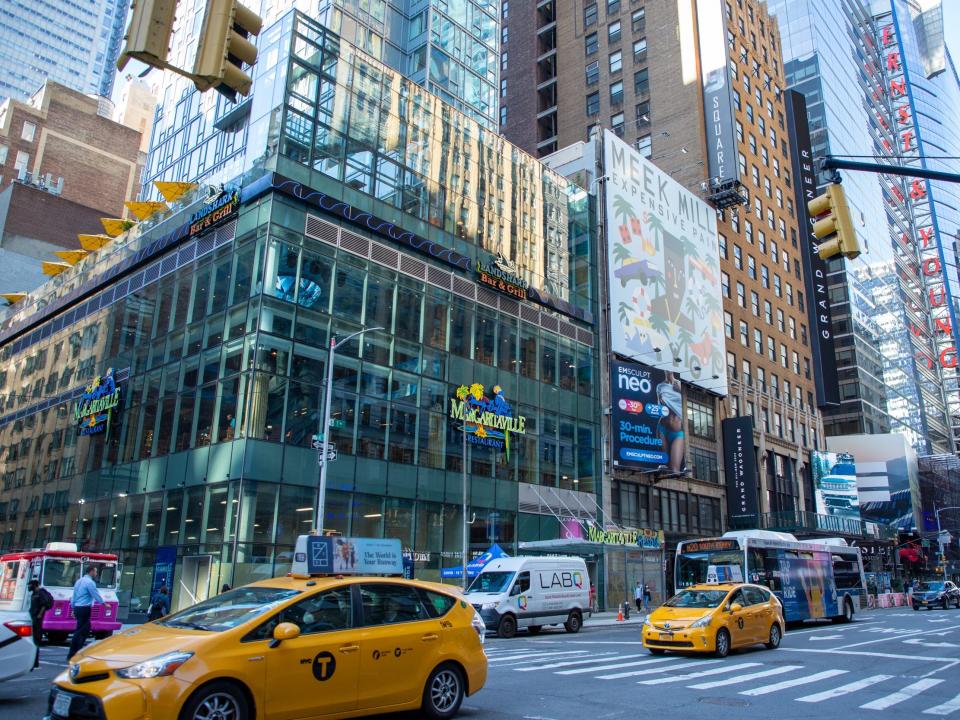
[325,426]
[940,555]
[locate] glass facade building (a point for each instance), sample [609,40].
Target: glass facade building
[366,202]
[74,44]
[450,48]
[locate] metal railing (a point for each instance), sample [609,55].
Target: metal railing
[803,522]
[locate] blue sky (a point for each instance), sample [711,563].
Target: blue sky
[951,27]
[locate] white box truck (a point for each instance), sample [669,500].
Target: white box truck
[530,592]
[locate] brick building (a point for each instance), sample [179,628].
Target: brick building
[634,67]
[63,165]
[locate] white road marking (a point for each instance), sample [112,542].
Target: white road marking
[906,693]
[615,666]
[867,653]
[694,676]
[824,637]
[745,678]
[887,639]
[527,656]
[664,668]
[917,641]
[816,677]
[950,706]
[568,663]
[844,689]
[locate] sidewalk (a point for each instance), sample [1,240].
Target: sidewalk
[609,617]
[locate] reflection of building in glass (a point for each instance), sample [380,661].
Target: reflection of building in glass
[218,341]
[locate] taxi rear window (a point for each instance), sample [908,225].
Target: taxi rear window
[440,603]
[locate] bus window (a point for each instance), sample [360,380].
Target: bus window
[8,584]
[846,573]
[60,572]
[693,568]
[107,575]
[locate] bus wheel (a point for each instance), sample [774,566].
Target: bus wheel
[847,613]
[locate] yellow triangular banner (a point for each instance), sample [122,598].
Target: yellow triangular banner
[145,210]
[115,226]
[92,243]
[13,297]
[173,191]
[54,268]
[71,256]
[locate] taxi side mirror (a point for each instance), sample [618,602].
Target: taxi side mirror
[736,607]
[284,631]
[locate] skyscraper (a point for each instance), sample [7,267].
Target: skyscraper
[450,48]
[72,44]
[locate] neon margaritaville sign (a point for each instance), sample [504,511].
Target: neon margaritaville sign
[647,539]
[94,409]
[487,421]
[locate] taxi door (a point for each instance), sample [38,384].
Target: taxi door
[398,645]
[316,673]
[757,613]
[741,630]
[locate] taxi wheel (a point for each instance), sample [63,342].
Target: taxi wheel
[507,627]
[443,693]
[775,636]
[217,701]
[723,643]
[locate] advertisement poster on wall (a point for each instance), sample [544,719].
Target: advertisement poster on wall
[647,415]
[888,482]
[740,461]
[835,484]
[664,270]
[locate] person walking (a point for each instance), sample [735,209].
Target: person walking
[638,595]
[40,601]
[85,594]
[159,604]
[226,588]
[646,597]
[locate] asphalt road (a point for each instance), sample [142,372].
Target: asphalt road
[888,661]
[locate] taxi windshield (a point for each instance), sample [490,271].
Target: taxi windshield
[491,582]
[697,599]
[229,610]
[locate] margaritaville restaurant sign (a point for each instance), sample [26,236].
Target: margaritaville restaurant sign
[487,421]
[646,539]
[94,409]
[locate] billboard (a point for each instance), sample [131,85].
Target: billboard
[887,478]
[647,415]
[663,270]
[814,267]
[835,484]
[717,100]
[740,463]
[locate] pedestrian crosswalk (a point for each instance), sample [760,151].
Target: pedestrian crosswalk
[749,675]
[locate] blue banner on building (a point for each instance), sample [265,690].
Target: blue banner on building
[164,563]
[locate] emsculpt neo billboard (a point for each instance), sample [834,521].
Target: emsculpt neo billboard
[647,416]
[664,270]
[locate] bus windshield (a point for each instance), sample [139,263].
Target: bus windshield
[703,566]
[60,572]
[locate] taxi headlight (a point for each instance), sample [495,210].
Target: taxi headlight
[160,666]
[701,623]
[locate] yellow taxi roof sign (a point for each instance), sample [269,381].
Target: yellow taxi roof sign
[338,555]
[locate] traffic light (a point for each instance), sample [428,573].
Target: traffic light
[148,36]
[224,49]
[833,222]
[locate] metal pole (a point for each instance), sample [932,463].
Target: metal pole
[940,556]
[465,524]
[325,426]
[324,432]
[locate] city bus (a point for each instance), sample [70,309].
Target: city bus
[813,579]
[58,566]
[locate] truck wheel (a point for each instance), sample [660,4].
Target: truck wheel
[573,623]
[507,627]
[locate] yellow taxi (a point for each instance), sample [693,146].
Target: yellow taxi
[715,618]
[299,647]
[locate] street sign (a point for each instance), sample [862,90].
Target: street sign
[329,452]
[317,442]
[337,424]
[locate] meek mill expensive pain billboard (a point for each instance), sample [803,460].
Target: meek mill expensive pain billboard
[663,270]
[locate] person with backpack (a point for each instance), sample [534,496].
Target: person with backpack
[40,601]
[159,605]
